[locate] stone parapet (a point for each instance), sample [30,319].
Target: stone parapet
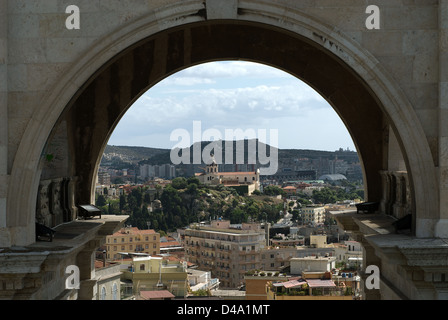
[410,267]
[38,271]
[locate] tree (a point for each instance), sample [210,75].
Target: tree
[179,183]
[193,180]
[122,203]
[146,198]
[100,201]
[273,191]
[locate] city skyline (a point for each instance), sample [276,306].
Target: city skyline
[233,95]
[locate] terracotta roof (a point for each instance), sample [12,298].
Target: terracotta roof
[235,173]
[318,283]
[99,264]
[161,294]
[169,244]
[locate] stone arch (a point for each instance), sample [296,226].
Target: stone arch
[187,36]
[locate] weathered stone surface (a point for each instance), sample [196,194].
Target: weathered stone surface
[63,88]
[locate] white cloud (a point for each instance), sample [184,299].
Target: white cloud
[233,69]
[186,81]
[232,95]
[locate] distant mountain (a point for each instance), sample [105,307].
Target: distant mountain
[134,153]
[158,156]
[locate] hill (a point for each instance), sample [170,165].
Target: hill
[162,156]
[134,153]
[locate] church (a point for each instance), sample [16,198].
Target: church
[212,176]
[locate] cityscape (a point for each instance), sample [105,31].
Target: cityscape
[211,151]
[230,235]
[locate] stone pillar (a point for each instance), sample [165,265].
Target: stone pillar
[401,206]
[86,263]
[386,186]
[4,240]
[442,225]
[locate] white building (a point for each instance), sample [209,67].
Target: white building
[350,252]
[313,215]
[201,280]
[165,171]
[312,264]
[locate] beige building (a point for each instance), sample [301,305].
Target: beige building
[132,240]
[313,215]
[311,286]
[256,284]
[108,281]
[156,273]
[318,241]
[212,176]
[227,251]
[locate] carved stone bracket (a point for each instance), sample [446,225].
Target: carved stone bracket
[55,205]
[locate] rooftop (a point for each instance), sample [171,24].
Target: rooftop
[156,295]
[133,231]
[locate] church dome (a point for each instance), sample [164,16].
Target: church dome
[333,177]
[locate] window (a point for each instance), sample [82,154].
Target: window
[115,292]
[103,293]
[142,267]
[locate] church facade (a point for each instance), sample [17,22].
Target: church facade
[212,176]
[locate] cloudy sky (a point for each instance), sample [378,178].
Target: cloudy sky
[232,95]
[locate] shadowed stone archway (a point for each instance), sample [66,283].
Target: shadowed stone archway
[78,113]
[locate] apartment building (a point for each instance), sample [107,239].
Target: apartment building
[132,240]
[156,274]
[313,215]
[225,250]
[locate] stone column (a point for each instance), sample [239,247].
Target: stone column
[386,182]
[86,263]
[3,119]
[442,225]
